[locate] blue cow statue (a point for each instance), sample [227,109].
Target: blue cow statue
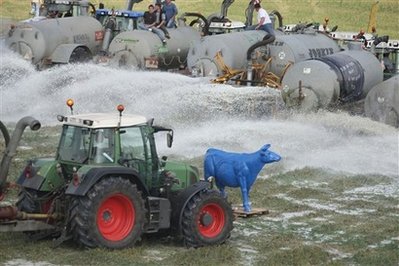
[237,169]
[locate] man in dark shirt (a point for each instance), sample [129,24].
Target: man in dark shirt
[150,21]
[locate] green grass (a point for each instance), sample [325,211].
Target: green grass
[315,218]
[349,15]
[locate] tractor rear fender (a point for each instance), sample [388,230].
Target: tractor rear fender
[180,201]
[41,174]
[93,175]
[63,52]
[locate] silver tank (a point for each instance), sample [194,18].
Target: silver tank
[55,40]
[233,48]
[144,49]
[285,49]
[382,102]
[345,76]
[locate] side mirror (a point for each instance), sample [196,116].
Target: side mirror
[169,139]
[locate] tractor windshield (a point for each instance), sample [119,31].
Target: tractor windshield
[74,144]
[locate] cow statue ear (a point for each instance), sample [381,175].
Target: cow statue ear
[265,147]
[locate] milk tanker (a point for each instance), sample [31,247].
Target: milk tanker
[382,102]
[342,77]
[57,40]
[144,49]
[233,48]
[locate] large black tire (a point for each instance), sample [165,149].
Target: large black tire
[207,220]
[110,215]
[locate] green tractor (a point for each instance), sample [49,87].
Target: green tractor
[107,187]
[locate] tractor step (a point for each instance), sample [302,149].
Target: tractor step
[238,211]
[160,210]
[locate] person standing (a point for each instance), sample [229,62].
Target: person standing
[35,7]
[264,21]
[170,11]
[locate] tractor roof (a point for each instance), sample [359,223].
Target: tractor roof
[104,120]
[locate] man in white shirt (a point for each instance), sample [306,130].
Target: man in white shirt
[264,22]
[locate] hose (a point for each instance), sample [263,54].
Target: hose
[13,144]
[4,131]
[205,29]
[280,18]
[266,40]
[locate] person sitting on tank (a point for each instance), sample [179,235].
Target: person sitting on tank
[264,21]
[68,13]
[160,22]
[170,11]
[53,14]
[150,23]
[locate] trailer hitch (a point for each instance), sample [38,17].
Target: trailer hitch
[12,213]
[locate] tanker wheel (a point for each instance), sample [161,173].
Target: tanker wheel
[110,215]
[207,219]
[79,55]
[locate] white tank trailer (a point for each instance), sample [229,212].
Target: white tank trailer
[342,77]
[57,40]
[382,102]
[286,49]
[145,50]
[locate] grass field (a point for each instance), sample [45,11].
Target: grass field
[349,15]
[316,218]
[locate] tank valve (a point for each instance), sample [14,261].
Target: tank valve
[301,95]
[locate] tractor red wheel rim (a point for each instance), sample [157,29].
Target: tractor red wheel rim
[115,217]
[211,220]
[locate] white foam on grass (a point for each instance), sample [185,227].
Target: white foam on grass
[334,207]
[154,255]
[338,255]
[22,262]
[386,190]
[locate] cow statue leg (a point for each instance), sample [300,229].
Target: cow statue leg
[242,172]
[223,193]
[210,173]
[209,169]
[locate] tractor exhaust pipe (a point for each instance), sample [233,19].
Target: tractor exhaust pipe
[12,145]
[130,4]
[4,131]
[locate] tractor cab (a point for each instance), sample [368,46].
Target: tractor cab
[66,8]
[220,23]
[122,20]
[104,140]
[111,140]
